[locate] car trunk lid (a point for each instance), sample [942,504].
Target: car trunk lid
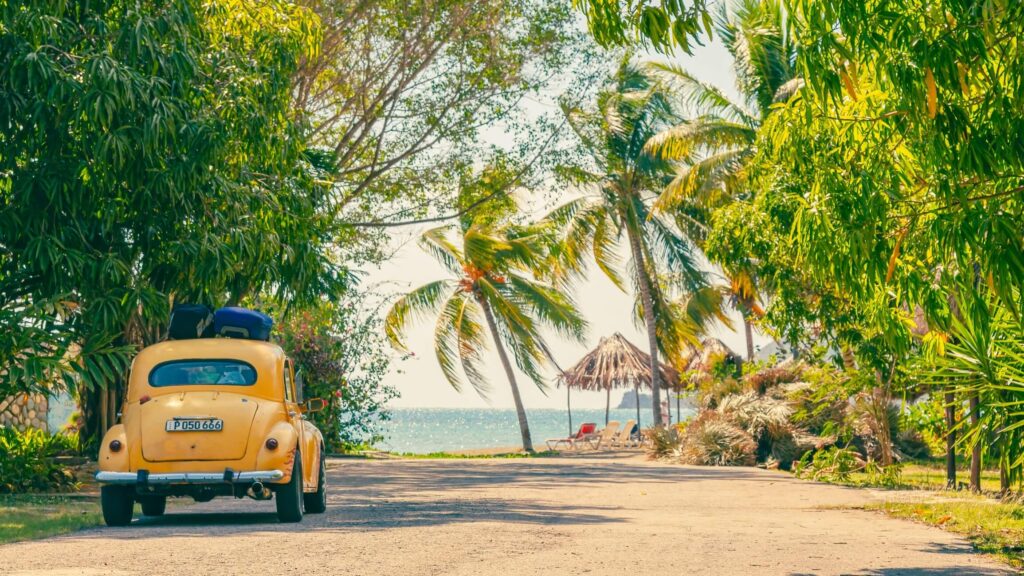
[207,440]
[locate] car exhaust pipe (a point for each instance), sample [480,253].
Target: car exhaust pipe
[259,492]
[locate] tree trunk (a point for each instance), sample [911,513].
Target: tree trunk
[748,332]
[607,406]
[647,299]
[1004,480]
[524,426]
[976,448]
[568,407]
[950,442]
[637,391]
[679,415]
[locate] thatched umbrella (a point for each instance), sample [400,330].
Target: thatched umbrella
[712,349]
[614,363]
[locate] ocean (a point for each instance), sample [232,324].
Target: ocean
[426,430]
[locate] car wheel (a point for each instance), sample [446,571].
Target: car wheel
[153,505]
[316,502]
[289,496]
[118,503]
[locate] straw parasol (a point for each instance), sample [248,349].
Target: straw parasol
[712,349]
[614,363]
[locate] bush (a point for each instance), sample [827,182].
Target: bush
[832,464]
[711,391]
[767,378]
[711,440]
[28,464]
[663,442]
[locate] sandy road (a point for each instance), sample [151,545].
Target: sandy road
[615,514]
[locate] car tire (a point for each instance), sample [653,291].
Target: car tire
[289,496]
[316,502]
[153,505]
[118,504]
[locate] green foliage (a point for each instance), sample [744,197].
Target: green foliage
[27,461]
[833,464]
[148,154]
[339,349]
[663,26]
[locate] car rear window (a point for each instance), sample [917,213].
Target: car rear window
[208,372]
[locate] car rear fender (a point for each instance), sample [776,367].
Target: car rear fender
[281,457]
[111,461]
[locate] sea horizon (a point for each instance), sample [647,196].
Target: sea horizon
[424,430]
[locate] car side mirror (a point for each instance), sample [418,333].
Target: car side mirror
[314,405]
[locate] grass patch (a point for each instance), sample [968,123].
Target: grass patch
[24,517]
[993,527]
[926,476]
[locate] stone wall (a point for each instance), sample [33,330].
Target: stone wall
[24,410]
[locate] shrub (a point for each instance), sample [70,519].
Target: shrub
[663,442]
[711,440]
[767,378]
[28,464]
[832,464]
[711,391]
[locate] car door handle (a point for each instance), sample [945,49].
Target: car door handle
[292,414]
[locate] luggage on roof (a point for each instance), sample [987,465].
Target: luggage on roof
[242,323]
[190,321]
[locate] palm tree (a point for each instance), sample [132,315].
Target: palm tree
[492,285]
[712,150]
[625,177]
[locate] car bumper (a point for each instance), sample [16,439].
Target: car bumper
[226,477]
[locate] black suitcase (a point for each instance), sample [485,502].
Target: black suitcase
[190,321]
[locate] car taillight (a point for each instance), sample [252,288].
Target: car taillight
[272,443]
[144,399]
[115,445]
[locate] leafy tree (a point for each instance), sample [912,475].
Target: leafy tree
[625,175]
[147,155]
[662,25]
[404,98]
[340,350]
[492,292]
[714,147]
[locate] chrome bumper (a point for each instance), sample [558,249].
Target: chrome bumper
[189,477]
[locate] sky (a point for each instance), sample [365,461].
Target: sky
[606,308]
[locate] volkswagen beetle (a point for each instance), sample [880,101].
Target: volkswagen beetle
[213,417]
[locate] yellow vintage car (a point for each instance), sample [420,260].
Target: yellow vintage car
[213,417]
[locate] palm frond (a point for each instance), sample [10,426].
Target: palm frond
[701,97]
[706,133]
[415,305]
[436,243]
[715,172]
[551,306]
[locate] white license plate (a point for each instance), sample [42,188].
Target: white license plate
[195,425]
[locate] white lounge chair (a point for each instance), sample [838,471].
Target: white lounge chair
[604,437]
[624,438]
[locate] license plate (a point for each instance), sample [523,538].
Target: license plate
[195,425]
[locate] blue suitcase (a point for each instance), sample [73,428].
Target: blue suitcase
[242,323]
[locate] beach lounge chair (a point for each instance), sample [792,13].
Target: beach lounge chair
[604,437]
[625,438]
[582,435]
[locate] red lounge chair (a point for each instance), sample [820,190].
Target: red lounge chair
[582,435]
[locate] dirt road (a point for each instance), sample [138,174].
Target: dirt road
[617,515]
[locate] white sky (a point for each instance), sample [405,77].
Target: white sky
[607,309]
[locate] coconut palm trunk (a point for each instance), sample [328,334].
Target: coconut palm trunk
[748,332]
[950,441]
[524,426]
[647,298]
[976,448]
